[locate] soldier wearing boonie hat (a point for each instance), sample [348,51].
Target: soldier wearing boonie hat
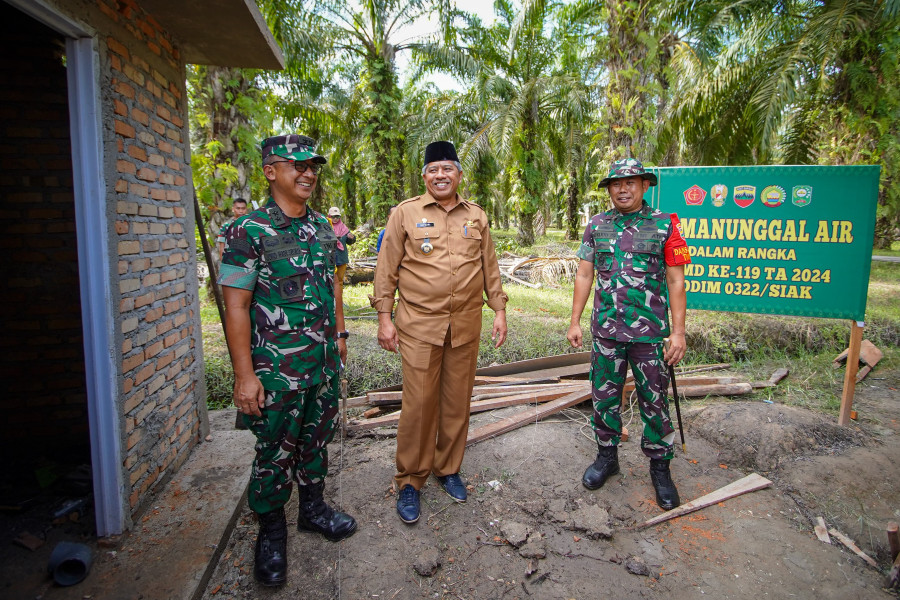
[286,337]
[638,255]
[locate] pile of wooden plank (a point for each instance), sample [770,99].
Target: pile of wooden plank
[548,385]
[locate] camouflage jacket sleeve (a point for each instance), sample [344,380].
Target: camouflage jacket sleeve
[240,263]
[586,250]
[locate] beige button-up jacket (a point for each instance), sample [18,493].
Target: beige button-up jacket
[447,286]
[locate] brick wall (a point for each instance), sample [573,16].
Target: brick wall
[44,406]
[157,351]
[162,394]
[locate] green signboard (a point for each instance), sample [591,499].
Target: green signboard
[788,240]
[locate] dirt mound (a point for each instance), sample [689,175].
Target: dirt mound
[762,436]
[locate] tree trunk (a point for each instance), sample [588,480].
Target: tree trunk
[226,86]
[350,180]
[530,178]
[630,69]
[572,212]
[386,138]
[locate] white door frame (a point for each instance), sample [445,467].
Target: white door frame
[94,268]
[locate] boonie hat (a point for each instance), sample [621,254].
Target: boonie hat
[334,211]
[627,167]
[293,147]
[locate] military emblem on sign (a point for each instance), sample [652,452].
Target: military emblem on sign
[802,195]
[773,195]
[719,194]
[694,195]
[744,195]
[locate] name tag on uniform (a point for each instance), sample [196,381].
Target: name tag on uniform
[424,224]
[279,247]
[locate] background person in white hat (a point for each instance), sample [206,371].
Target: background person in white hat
[345,238]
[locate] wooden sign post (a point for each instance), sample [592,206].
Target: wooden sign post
[856,335]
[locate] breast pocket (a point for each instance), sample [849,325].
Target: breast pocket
[425,240]
[604,252]
[328,240]
[471,247]
[646,252]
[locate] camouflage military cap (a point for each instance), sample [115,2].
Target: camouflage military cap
[627,167]
[293,147]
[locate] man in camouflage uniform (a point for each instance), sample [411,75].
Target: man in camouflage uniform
[287,340]
[238,210]
[638,254]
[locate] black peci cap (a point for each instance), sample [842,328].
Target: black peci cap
[436,151]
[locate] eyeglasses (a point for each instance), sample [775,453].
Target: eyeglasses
[301,166]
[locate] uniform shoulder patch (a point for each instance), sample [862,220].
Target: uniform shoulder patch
[317,217]
[408,200]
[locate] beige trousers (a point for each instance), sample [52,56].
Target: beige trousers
[434,419]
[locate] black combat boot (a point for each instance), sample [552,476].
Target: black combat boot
[607,464]
[666,494]
[270,560]
[315,515]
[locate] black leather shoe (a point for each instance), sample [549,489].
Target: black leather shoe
[315,515]
[454,487]
[666,494]
[270,558]
[606,464]
[408,504]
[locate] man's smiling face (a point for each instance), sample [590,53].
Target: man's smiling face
[284,177]
[627,193]
[442,179]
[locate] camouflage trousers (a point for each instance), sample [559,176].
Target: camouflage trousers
[291,439]
[651,378]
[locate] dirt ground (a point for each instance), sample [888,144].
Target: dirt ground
[530,530]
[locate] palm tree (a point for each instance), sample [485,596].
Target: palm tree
[774,81]
[511,69]
[334,32]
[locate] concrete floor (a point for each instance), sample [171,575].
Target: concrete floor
[175,543]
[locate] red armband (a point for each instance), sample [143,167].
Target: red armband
[676,249]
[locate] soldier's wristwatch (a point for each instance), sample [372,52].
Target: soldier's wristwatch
[343,334]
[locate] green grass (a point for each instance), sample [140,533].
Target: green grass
[538,321]
[553,242]
[893,251]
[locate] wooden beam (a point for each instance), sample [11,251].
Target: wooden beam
[357,401]
[750,483]
[702,368]
[394,398]
[377,411]
[560,386]
[893,534]
[856,333]
[569,371]
[525,387]
[822,530]
[848,542]
[714,389]
[692,381]
[481,406]
[512,379]
[383,398]
[778,375]
[527,416]
[537,364]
